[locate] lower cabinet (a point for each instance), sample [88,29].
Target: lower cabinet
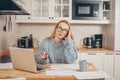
[108,64]
[94,58]
[117,67]
[102,61]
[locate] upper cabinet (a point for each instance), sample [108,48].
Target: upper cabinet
[47,11]
[51,11]
[106,9]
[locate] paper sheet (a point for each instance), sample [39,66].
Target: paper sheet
[6,65]
[91,75]
[65,66]
[61,69]
[59,72]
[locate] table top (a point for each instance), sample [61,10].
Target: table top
[14,73]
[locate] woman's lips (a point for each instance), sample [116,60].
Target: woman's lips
[60,34]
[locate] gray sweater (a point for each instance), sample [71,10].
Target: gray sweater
[65,52]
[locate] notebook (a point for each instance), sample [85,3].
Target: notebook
[24,59]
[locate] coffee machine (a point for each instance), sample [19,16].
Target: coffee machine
[93,42]
[98,41]
[25,42]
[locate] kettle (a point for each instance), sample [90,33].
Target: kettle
[88,42]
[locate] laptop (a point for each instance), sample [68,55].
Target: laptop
[24,59]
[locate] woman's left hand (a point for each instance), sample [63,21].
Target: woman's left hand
[69,34]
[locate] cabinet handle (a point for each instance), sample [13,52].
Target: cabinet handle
[117,50]
[49,17]
[108,53]
[91,53]
[28,17]
[52,17]
[117,53]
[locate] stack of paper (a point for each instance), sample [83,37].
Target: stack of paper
[6,65]
[70,69]
[91,75]
[59,72]
[62,69]
[65,66]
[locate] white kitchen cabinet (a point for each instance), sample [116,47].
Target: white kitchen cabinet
[41,9]
[51,11]
[117,40]
[95,58]
[62,9]
[102,61]
[108,63]
[117,25]
[47,10]
[117,66]
[106,9]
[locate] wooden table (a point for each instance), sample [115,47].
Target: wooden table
[13,73]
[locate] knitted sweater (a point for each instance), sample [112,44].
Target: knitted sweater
[64,52]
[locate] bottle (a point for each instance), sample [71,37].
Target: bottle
[19,43]
[30,41]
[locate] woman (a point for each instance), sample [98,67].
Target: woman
[59,47]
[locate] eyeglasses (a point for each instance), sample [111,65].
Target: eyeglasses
[60,29]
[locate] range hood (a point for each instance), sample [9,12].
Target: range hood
[11,7]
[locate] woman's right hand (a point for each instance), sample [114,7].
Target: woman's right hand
[44,55]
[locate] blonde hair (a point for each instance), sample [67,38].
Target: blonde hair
[62,21]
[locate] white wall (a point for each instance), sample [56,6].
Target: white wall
[7,38]
[41,31]
[44,30]
[2,34]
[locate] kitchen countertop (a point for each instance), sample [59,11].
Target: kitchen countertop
[7,52]
[82,49]
[4,52]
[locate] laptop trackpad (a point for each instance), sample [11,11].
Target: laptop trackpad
[39,68]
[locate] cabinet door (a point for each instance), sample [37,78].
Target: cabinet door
[117,66]
[41,9]
[95,58]
[108,63]
[84,56]
[117,25]
[117,40]
[62,9]
[47,10]
[106,9]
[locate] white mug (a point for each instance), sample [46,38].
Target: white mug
[83,65]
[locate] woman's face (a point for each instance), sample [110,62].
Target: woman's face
[62,30]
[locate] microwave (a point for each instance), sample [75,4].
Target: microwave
[86,9]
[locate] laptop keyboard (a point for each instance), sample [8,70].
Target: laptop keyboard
[39,68]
